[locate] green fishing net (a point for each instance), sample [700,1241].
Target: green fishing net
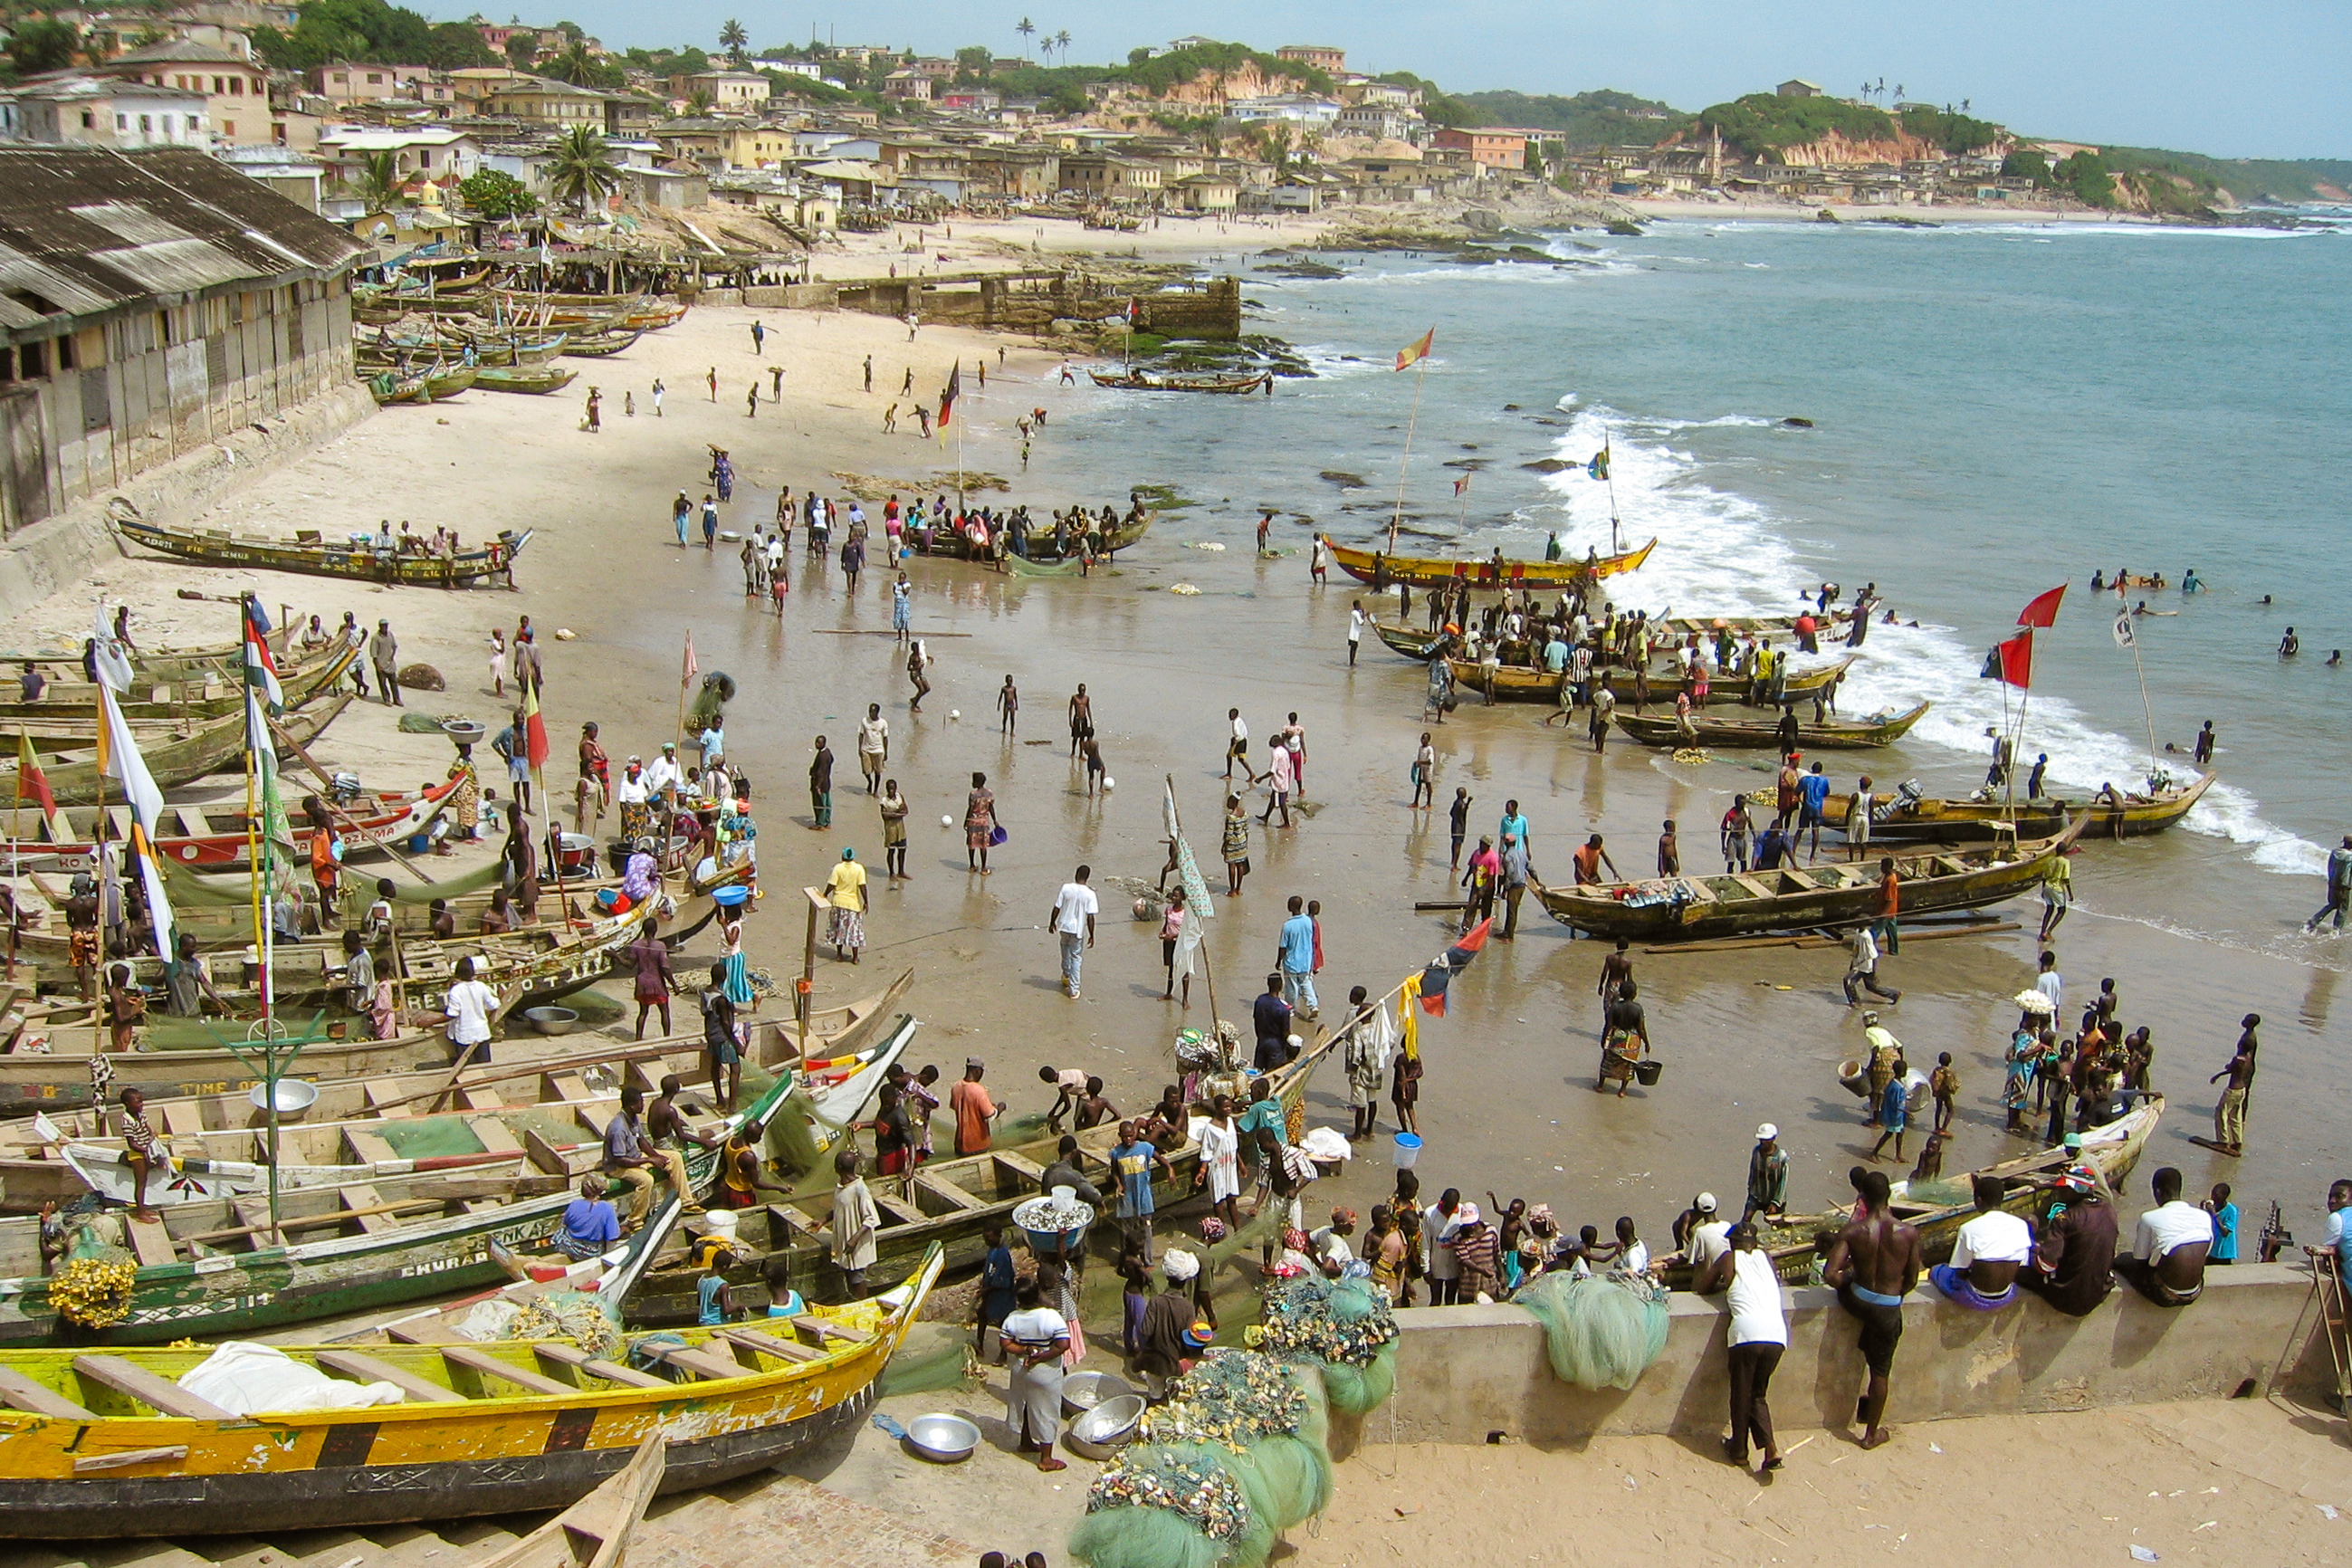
[1344,1324]
[1601,1331]
[933,1358]
[797,1134]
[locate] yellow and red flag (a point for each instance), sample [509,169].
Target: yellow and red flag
[31,783]
[1414,353]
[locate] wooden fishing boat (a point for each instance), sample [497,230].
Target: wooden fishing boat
[1417,646]
[1139,381]
[513,352]
[601,345]
[224,1124]
[1518,683]
[448,381]
[1898,820]
[1833,734]
[1041,560]
[2113,1150]
[389,387]
[352,559]
[190,662]
[1707,626]
[221,1266]
[944,1204]
[203,693]
[529,378]
[214,836]
[116,1448]
[1839,894]
[407,1124]
[596,1531]
[1424,571]
[201,748]
[2139,814]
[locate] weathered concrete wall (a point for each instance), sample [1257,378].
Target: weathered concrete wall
[1464,1373]
[39,560]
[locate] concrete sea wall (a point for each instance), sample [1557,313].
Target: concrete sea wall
[1465,1373]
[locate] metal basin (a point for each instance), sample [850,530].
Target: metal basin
[1107,1428]
[552,1020]
[1083,1391]
[942,1440]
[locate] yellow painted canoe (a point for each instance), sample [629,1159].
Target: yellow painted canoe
[1427,572]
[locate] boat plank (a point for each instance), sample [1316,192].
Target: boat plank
[571,1355]
[702,1364]
[768,1344]
[19,1391]
[135,1382]
[368,1369]
[487,1365]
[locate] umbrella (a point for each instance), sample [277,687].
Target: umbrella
[2034,1002]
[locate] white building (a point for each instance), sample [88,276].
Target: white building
[1290,108]
[74,109]
[431,153]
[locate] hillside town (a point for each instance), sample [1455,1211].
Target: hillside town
[825,138]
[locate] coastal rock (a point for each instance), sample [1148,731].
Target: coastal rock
[1345,481]
[1547,466]
[1797,422]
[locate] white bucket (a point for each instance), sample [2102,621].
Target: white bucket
[1406,1150]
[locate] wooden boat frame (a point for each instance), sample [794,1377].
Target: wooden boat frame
[208,746]
[1428,572]
[363,564]
[1838,735]
[1521,683]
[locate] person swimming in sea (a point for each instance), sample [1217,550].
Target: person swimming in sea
[2290,644]
[2189,583]
[2335,657]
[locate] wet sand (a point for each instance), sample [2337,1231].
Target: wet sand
[1508,1106]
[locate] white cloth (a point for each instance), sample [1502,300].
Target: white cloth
[1864,952]
[1439,1229]
[1073,907]
[1757,1315]
[1708,1243]
[2173,1225]
[470,1005]
[245,1379]
[662,774]
[1993,1237]
[632,790]
[2050,985]
[1220,1151]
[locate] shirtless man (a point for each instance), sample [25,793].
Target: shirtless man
[1082,718]
[1873,1266]
[665,1123]
[2167,1262]
[1615,971]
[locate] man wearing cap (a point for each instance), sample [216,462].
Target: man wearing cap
[1703,1237]
[1885,1051]
[1767,1175]
[1992,1248]
[2074,1245]
[1873,1266]
[975,1113]
[2169,1246]
[1517,872]
[1163,1349]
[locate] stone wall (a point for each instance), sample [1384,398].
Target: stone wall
[1466,1372]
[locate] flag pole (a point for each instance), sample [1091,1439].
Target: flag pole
[2145,712]
[1208,969]
[1404,462]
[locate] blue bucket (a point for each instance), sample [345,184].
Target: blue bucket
[729,898]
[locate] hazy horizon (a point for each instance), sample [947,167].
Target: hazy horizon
[2260,80]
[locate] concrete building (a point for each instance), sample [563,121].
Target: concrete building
[156,301]
[730,92]
[428,153]
[1385,121]
[1492,150]
[541,102]
[345,82]
[236,88]
[1208,194]
[292,175]
[1111,178]
[1322,56]
[79,109]
[1290,108]
[1797,87]
[910,85]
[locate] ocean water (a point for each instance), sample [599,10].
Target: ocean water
[1996,409]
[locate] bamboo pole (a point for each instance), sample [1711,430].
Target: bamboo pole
[1405,462]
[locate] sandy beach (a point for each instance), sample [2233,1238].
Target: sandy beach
[1745,1037]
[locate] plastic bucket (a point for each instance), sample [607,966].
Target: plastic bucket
[1646,1071]
[1406,1150]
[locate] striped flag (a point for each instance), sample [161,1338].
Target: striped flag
[260,665]
[1412,353]
[534,736]
[124,763]
[948,395]
[1461,484]
[34,784]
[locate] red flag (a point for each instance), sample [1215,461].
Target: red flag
[1412,353]
[2043,610]
[31,783]
[1461,484]
[534,730]
[2016,660]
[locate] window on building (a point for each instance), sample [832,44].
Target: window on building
[66,353]
[237,87]
[229,127]
[146,125]
[375,78]
[33,361]
[219,85]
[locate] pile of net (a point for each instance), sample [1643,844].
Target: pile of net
[1242,1451]
[584,1317]
[1346,1325]
[1600,1331]
[92,1284]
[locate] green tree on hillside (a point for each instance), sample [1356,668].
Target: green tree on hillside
[456,47]
[2086,178]
[44,44]
[380,183]
[972,62]
[732,37]
[2027,164]
[582,171]
[1762,124]
[581,68]
[522,51]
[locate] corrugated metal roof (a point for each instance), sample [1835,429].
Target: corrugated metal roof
[85,230]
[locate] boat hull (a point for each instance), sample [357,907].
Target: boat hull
[74,780]
[2138,819]
[1424,571]
[349,561]
[1837,735]
[1953,821]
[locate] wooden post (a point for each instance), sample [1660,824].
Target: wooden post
[801,1003]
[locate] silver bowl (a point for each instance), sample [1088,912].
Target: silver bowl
[942,1440]
[1107,1428]
[1082,1391]
[552,1020]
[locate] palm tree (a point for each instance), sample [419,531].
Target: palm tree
[581,170]
[1027,29]
[732,39]
[575,65]
[1062,42]
[697,102]
[380,180]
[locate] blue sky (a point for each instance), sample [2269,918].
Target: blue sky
[2251,78]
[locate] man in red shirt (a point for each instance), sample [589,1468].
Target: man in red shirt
[1889,898]
[975,1112]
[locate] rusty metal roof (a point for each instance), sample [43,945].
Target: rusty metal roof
[86,231]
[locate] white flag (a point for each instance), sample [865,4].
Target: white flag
[112,664]
[2124,635]
[120,759]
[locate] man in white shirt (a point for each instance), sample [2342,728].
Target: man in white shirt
[665,777]
[1073,921]
[1710,1239]
[1356,618]
[873,746]
[1991,1250]
[1237,749]
[2166,1264]
[470,1005]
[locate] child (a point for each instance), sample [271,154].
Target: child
[1424,774]
[1069,1093]
[1931,1167]
[1945,1085]
[718,1305]
[2225,1225]
[1134,1296]
[1459,814]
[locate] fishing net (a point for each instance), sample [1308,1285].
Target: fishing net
[584,1318]
[931,1359]
[1344,1324]
[798,1136]
[92,1284]
[1174,1505]
[1600,1331]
